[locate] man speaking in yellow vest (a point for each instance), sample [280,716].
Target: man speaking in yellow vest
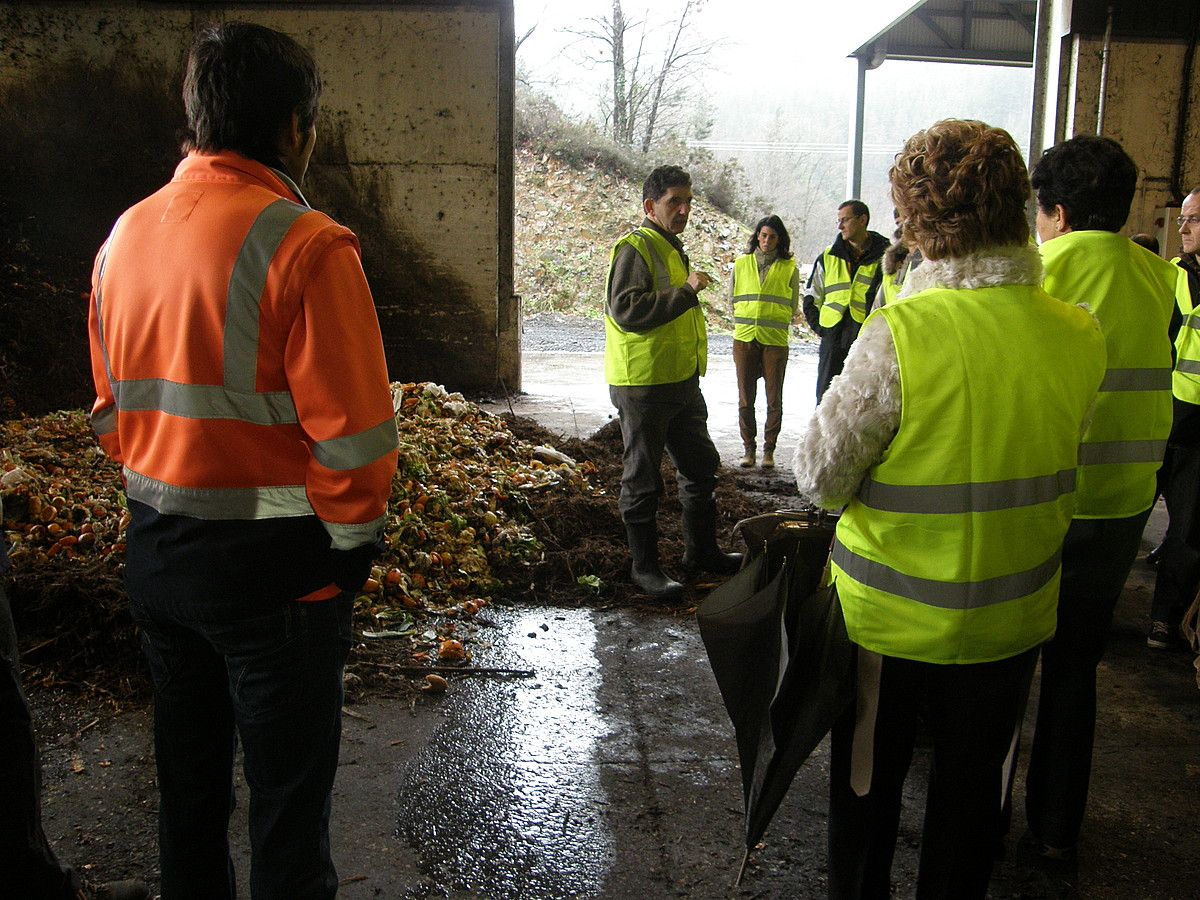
[842,287]
[656,349]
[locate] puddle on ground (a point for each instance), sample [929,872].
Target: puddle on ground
[506,800]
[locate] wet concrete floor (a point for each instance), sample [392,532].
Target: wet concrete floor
[611,770]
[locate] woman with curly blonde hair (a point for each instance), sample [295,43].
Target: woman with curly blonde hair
[951,438]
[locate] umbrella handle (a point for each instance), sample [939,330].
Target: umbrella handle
[742,868]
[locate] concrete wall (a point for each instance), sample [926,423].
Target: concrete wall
[1141,110]
[414,149]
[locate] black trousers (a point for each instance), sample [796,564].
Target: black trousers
[1097,557]
[671,417]
[1179,569]
[31,870]
[835,344]
[972,713]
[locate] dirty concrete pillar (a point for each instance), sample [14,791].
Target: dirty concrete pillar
[1141,105]
[414,150]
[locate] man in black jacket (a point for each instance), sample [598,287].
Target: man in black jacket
[842,287]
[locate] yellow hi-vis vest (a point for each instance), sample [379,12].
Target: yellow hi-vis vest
[1132,293]
[892,283]
[763,310]
[843,292]
[666,354]
[950,552]
[1185,380]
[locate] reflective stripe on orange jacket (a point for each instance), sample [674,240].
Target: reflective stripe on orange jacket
[237,358]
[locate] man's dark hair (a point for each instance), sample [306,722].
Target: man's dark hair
[1149,241]
[784,247]
[859,208]
[663,179]
[1091,177]
[242,85]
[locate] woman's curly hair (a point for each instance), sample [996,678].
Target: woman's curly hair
[961,186]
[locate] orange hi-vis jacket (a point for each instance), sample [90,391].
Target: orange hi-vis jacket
[237,357]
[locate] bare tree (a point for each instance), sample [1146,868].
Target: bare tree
[641,93]
[522,38]
[679,60]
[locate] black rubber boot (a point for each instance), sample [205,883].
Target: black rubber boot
[646,574]
[701,553]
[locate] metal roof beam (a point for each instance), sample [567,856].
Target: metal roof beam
[938,32]
[1026,22]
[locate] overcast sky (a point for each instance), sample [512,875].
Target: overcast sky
[802,38]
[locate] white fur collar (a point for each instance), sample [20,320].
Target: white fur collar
[1021,264]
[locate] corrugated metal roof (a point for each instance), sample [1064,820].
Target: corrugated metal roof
[989,32]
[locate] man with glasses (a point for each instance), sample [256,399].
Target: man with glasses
[1179,565]
[842,287]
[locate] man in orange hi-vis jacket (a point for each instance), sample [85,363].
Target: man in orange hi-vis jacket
[241,384]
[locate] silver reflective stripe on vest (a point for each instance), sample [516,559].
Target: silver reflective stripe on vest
[347,537]
[1192,321]
[762,298]
[1136,380]
[355,450]
[105,421]
[205,401]
[1188,366]
[245,292]
[218,503]
[662,272]
[946,594]
[867,278]
[1106,452]
[840,286]
[761,323]
[955,499]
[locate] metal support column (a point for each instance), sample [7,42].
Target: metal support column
[855,160]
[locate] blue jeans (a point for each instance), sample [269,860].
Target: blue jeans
[269,673]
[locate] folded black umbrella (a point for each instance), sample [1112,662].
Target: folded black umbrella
[778,647]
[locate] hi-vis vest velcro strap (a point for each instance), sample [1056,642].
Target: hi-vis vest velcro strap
[955,499]
[946,594]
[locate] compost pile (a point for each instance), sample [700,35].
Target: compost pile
[483,510]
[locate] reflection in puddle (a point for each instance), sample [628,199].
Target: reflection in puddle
[506,800]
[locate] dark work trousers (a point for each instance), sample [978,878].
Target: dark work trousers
[269,672]
[29,868]
[971,712]
[754,361]
[1097,557]
[655,417]
[835,344]
[1179,568]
